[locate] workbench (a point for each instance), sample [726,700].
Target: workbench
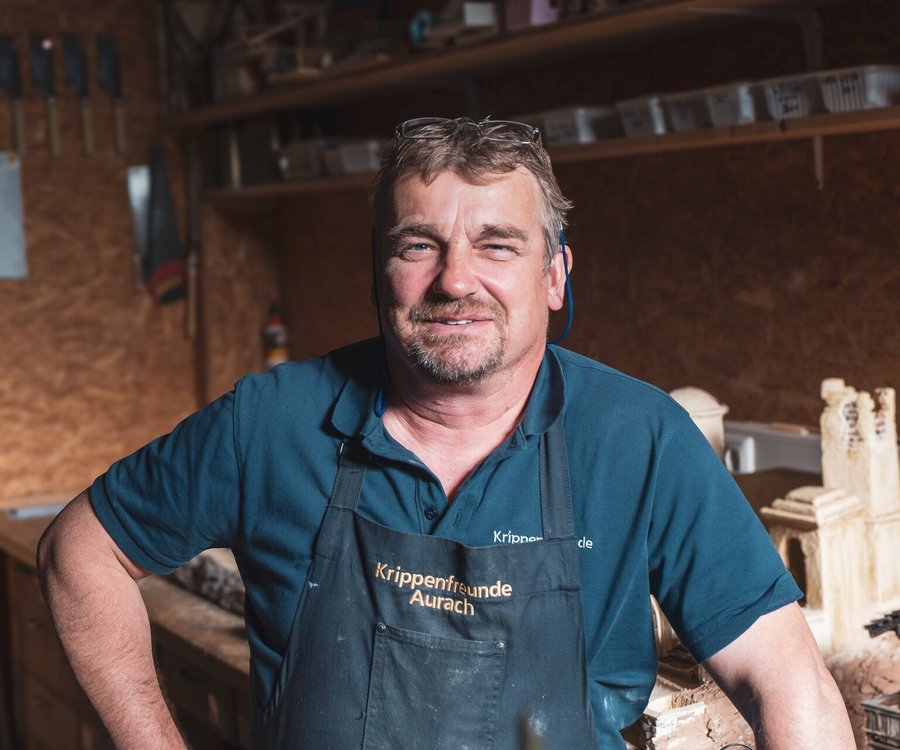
[201,653]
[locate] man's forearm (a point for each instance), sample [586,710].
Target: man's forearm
[814,717]
[103,625]
[775,676]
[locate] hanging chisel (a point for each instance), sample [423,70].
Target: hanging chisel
[42,78]
[11,82]
[110,78]
[77,80]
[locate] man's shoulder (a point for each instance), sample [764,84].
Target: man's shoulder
[359,359]
[589,381]
[315,381]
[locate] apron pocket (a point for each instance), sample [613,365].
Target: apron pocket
[428,691]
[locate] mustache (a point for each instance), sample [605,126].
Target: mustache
[426,311]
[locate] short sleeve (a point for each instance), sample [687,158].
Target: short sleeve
[176,496]
[713,567]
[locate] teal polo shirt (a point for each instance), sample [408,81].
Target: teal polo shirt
[654,509]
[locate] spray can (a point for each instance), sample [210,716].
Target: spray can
[275,339]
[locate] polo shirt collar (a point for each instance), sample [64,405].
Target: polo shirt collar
[354,411]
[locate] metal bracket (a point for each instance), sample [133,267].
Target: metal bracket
[809,20]
[811,26]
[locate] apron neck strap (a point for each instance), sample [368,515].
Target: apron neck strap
[352,462]
[556,499]
[556,496]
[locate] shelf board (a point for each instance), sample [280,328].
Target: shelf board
[768,131]
[646,17]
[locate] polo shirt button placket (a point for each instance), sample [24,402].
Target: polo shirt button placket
[430,513]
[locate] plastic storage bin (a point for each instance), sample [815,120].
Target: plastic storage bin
[521,14]
[883,721]
[793,96]
[862,87]
[576,124]
[642,116]
[735,104]
[687,110]
[361,156]
[302,160]
[331,160]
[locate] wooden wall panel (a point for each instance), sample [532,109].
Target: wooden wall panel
[89,368]
[239,282]
[325,243]
[736,275]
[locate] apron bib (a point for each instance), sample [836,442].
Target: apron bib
[412,642]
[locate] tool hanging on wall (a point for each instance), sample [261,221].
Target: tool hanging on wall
[164,260]
[77,80]
[11,83]
[139,201]
[110,78]
[12,220]
[43,80]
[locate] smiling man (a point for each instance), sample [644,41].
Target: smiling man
[453,528]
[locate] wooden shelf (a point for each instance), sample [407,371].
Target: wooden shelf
[643,18]
[769,131]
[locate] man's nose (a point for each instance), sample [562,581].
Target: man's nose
[457,275]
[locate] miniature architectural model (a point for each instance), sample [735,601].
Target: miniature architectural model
[820,535]
[859,454]
[842,541]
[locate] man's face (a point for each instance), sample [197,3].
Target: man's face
[467,293]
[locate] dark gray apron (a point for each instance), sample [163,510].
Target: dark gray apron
[413,642]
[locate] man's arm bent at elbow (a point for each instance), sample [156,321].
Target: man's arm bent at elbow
[91,589]
[775,675]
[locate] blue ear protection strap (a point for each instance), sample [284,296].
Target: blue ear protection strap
[569,300]
[380,404]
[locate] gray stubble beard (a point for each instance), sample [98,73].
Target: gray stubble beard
[441,369]
[433,355]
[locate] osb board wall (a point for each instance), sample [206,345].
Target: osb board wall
[239,281]
[89,368]
[326,271]
[738,276]
[724,269]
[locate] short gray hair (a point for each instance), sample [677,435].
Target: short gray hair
[471,153]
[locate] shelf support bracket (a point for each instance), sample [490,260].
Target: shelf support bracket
[811,26]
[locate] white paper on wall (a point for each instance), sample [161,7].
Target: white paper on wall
[12,231]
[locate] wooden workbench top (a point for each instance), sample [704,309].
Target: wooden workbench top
[182,621]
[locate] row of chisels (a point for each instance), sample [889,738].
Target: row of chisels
[43,82]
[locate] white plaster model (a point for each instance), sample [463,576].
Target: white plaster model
[859,454]
[820,535]
[706,411]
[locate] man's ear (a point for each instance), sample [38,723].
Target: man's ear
[556,293]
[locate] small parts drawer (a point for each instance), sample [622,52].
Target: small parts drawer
[34,641]
[49,720]
[197,693]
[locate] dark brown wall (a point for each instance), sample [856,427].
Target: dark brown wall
[725,269]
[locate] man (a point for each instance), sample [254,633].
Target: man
[454,527]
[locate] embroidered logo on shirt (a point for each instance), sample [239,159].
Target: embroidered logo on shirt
[508,537]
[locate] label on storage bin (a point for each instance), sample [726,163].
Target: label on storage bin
[562,131]
[789,100]
[843,91]
[642,119]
